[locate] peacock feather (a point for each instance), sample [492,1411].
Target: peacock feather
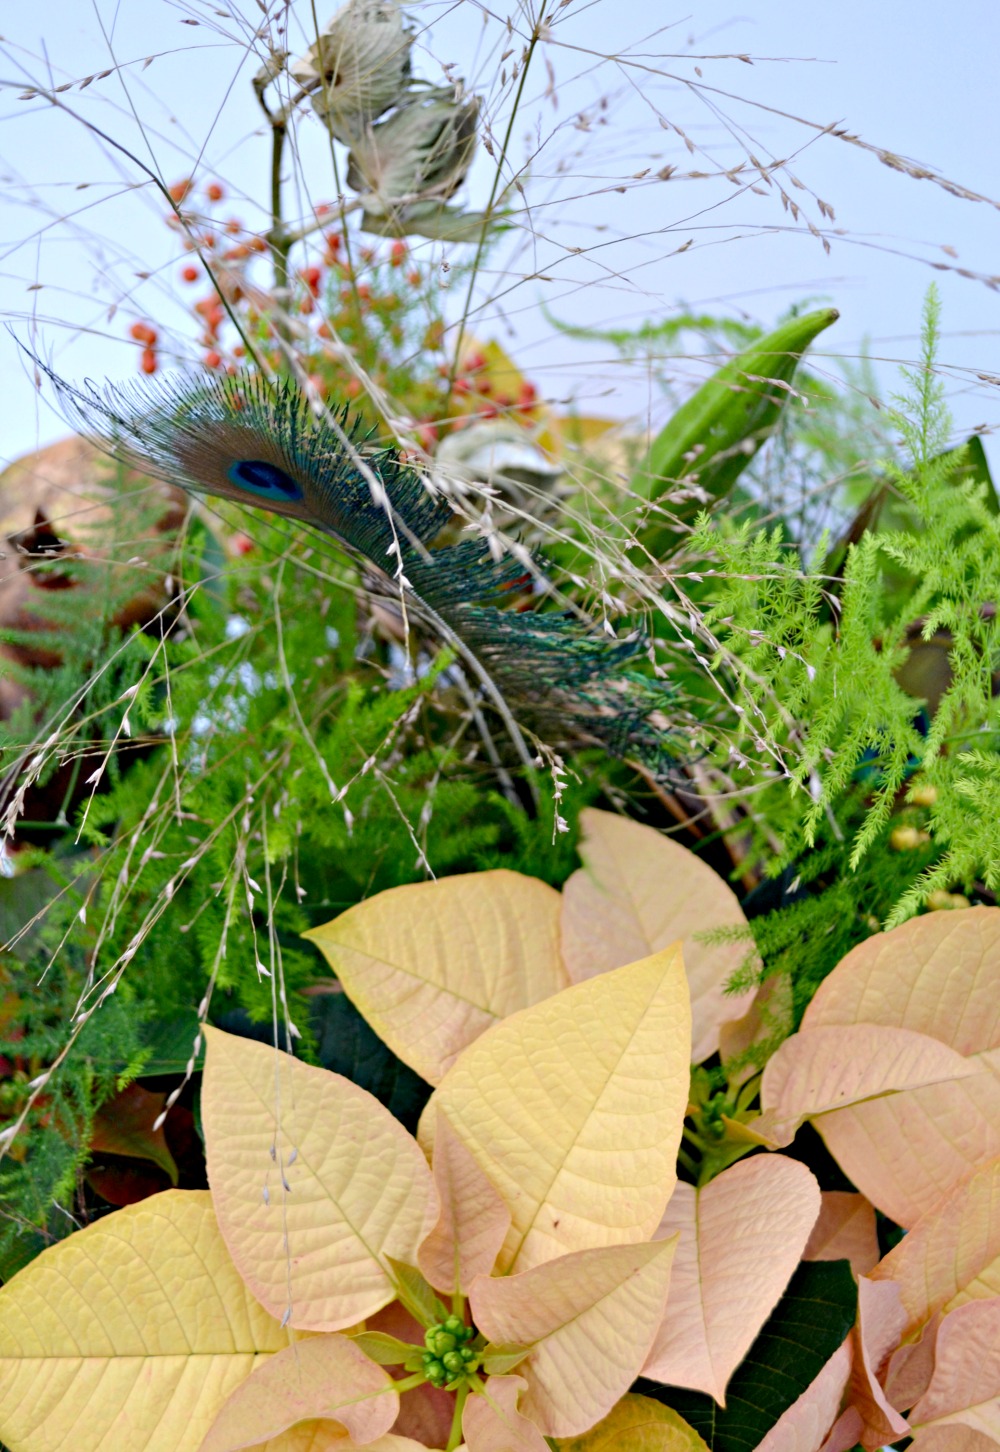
[258,442]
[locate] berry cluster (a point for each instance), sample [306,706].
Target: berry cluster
[449,1358]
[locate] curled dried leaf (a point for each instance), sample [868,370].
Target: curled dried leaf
[422,151]
[358,67]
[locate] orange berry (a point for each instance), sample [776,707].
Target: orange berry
[323,210]
[323,331]
[143,333]
[212,359]
[214,192]
[307,304]
[233,226]
[190,273]
[352,388]
[208,240]
[239,351]
[147,362]
[397,253]
[311,276]
[257,244]
[364,291]
[414,278]
[179,190]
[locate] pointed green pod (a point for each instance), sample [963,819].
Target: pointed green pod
[716,432]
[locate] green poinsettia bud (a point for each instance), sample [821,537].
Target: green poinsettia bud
[422,151]
[358,67]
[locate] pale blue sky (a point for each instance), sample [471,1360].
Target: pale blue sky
[910,77]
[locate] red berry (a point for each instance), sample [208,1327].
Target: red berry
[462,385]
[241,544]
[323,210]
[233,226]
[143,333]
[214,192]
[334,241]
[190,274]
[179,190]
[528,393]
[475,363]
[311,276]
[397,253]
[414,278]
[212,359]
[148,361]
[364,291]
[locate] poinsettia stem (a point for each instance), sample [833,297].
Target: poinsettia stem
[455,1435]
[409,1382]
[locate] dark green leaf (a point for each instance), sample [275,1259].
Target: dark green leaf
[348,1046]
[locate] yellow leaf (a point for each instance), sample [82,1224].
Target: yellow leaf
[473,1222]
[952,1255]
[589,1319]
[492,1423]
[358,1188]
[845,1230]
[740,1240]
[824,1069]
[638,892]
[935,975]
[433,964]
[322,1377]
[637,1424]
[131,1333]
[574,1109]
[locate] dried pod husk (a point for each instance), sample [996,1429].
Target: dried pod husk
[358,67]
[421,152]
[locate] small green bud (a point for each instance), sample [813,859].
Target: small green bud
[443,1342]
[455,1325]
[467,1353]
[452,1361]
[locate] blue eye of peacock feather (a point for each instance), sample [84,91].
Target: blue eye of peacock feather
[267,480]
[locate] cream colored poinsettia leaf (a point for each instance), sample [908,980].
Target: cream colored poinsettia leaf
[473,1221]
[952,1255]
[589,1319]
[574,1109]
[311,1224]
[323,1377]
[824,1069]
[845,1230]
[638,892]
[131,1333]
[432,965]
[741,1237]
[965,1388]
[493,1423]
[935,975]
[637,1424]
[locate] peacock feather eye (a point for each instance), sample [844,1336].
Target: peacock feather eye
[264,479]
